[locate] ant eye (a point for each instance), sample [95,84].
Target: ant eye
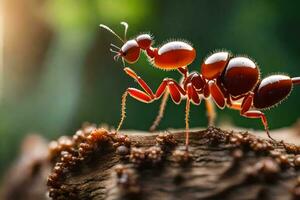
[130,51]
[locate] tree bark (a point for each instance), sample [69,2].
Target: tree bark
[218,165]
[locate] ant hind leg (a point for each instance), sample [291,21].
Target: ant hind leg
[245,112]
[262,116]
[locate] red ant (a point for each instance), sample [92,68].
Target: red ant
[230,81]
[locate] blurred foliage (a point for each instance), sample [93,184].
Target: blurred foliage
[59,71]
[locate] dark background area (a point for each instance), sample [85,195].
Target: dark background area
[58,71]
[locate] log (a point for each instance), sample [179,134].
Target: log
[98,164]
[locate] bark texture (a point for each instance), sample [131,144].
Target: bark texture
[219,165]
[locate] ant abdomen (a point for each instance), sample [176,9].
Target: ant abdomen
[214,65]
[240,76]
[272,90]
[236,75]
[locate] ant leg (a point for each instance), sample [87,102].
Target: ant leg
[259,114]
[247,103]
[244,111]
[161,111]
[138,95]
[216,94]
[243,106]
[174,88]
[235,106]
[210,111]
[193,94]
[123,110]
[166,82]
[187,126]
[160,90]
[176,92]
[140,81]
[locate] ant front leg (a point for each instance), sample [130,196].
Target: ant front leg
[139,80]
[139,95]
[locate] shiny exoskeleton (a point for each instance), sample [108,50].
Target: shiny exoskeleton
[227,80]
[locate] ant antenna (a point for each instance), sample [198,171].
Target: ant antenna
[116,57]
[123,61]
[117,52]
[112,45]
[125,31]
[114,51]
[109,29]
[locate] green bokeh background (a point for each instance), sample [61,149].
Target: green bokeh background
[58,71]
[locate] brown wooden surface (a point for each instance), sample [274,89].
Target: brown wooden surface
[219,169]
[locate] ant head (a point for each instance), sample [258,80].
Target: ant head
[130,51]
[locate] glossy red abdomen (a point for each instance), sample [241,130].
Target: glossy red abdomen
[214,65]
[271,90]
[174,55]
[240,76]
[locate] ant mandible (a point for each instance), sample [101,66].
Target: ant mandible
[228,80]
